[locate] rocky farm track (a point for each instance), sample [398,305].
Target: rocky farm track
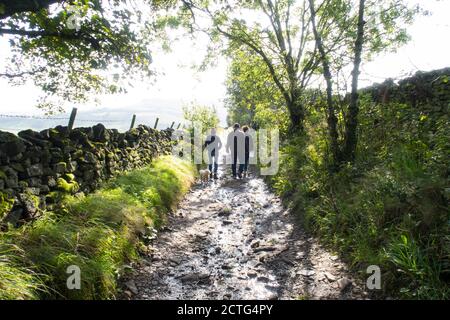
[232,239]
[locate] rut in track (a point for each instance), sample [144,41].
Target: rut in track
[232,239]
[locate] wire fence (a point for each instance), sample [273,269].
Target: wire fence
[22,116]
[18,122]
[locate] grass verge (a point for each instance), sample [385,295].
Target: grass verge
[100,233]
[390,208]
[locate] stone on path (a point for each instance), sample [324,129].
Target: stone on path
[131,285]
[344,283]
[263,279]
[264,248]
[306,272]
[273,296]
[195,276]
[175,260]
[252,274]
[330,277]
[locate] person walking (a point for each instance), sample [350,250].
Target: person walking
[213,144]
[248,148]
[235,146]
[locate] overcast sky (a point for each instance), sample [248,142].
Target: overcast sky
[180,85]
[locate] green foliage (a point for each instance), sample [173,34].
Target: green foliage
[70,64]
[385,28]
[6,204]
[160,187]
[252,96]
[389,208]
[67,186]
[99,233]
[203,115]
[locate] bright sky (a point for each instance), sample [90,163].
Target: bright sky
[180,85]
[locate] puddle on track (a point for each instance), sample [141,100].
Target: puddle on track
[232,239]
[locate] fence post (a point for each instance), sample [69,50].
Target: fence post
[156,123]
[132,121]
[73,114]
[179,126]
[173,123]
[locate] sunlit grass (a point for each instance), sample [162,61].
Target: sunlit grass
[99,233]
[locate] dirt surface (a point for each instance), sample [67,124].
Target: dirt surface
[232,239]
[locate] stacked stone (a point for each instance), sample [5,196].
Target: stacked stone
[36,167]
[425,90]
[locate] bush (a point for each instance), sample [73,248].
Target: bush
[390,207]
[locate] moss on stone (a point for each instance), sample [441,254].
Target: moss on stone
[33,198]
[54,197]
[23,184]
[78,154]
[65,186]
[6,203]
[69,177]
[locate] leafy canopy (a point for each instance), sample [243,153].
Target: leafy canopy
[74,49]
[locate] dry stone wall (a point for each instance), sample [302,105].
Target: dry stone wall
[36,168]
[430,88]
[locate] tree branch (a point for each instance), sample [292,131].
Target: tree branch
[11,7]
[265,58]
[21,74]
[41,33]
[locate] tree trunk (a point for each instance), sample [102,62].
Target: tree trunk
[351,123]
[331,115]
[332,122]
[296,112]
[297,122]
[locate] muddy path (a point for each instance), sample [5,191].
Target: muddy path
[232,239]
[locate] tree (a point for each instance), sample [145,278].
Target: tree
[279,34]
[252,96]
[374,27]
[69,48]
[331,115]
[351,122]
[204,115]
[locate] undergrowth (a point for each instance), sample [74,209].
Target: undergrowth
[100,233]
[391,207]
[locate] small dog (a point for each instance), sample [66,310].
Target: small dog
[204,175]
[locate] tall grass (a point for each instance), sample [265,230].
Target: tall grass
[99,233]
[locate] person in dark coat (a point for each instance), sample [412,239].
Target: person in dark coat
[235,145]
[213,144]
[248,148]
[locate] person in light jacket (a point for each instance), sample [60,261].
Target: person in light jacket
[236,146]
